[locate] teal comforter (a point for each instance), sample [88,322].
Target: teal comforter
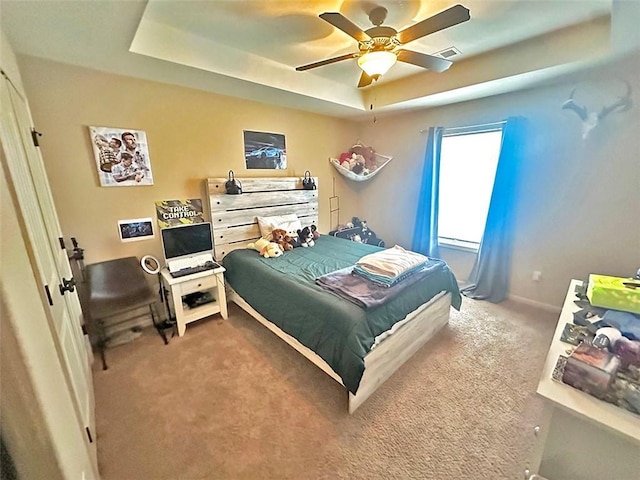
[283,290]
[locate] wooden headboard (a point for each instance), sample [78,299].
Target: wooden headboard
[234,216]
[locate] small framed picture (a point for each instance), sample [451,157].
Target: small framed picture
[135,229]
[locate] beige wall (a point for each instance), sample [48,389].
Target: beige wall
[574,194]
[578,208]
[191,134]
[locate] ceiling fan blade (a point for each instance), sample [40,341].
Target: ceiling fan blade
[343,23]
[445,19]
[327,61]
[435,64]
[365,80]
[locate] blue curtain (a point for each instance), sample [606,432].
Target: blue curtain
[425,233]
[489,279]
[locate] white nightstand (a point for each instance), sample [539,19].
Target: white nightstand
[211,281]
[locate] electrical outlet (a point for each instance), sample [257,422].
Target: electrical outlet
[536,276]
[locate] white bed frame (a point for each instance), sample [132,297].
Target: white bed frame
[234,225]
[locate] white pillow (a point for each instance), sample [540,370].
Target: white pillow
[290,223]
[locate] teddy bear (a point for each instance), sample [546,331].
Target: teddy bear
[314,231]
[282,239]
[354,162]
[367,153]
[305,236]
[266,248]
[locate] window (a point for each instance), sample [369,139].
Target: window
[468,161]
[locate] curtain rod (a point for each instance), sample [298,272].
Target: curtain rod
[466,127]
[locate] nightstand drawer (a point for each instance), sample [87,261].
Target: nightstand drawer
[198,284]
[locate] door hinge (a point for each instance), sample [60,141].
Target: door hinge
[62,245]
[46,289]
[34,136]
[89,434]
[67,285]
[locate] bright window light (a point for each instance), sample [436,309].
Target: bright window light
[468,164]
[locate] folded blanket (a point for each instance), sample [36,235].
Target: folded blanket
[383,280]
[391,262]
[369,295]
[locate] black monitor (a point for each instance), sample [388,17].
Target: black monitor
[186,240]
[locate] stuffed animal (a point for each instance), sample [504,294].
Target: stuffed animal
[344,158]
[305,236]
[368,154]
[314,231]
[366,234]
[266,248]
[354,162]
[282,239]
[271,250]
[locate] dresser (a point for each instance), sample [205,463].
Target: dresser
[578,436]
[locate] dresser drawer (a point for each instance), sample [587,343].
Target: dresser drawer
[197,285]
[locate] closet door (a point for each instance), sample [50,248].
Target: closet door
[51,262]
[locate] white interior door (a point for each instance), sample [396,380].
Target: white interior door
[52,264]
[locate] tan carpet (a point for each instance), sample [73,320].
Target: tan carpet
[231,400]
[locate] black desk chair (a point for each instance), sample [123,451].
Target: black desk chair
[116,287]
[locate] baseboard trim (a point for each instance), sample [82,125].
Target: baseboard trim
[533,303]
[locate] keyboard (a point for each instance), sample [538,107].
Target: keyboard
[190,262]
[191,270]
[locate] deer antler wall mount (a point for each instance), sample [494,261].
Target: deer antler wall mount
[591,119]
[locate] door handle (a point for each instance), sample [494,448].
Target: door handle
[67,285]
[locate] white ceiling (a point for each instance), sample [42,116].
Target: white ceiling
[250,49]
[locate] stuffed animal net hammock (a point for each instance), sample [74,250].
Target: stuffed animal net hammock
[381,161]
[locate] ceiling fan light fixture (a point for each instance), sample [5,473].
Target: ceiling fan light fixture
[378,63]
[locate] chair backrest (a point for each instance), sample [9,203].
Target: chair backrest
[116,286]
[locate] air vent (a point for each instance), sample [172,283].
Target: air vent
[448,52]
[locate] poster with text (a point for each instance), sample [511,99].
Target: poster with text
[121,156]
[265,150]
[179,212]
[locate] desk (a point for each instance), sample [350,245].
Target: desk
[581,437]
[211,281]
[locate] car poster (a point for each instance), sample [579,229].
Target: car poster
[265,150]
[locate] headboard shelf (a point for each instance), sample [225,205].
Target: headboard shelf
[258,184]
[234,217]
[273,198]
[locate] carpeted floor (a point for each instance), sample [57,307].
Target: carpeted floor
[231,400]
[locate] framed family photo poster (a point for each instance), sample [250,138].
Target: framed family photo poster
[265,150]
[121,156]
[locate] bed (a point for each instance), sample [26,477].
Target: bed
[358,347]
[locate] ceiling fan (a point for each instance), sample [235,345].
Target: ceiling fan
[378,50]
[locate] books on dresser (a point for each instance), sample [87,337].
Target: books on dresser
[591,369]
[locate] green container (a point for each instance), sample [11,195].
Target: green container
[616,293]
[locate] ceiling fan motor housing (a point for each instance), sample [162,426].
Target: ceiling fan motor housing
[382,38]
